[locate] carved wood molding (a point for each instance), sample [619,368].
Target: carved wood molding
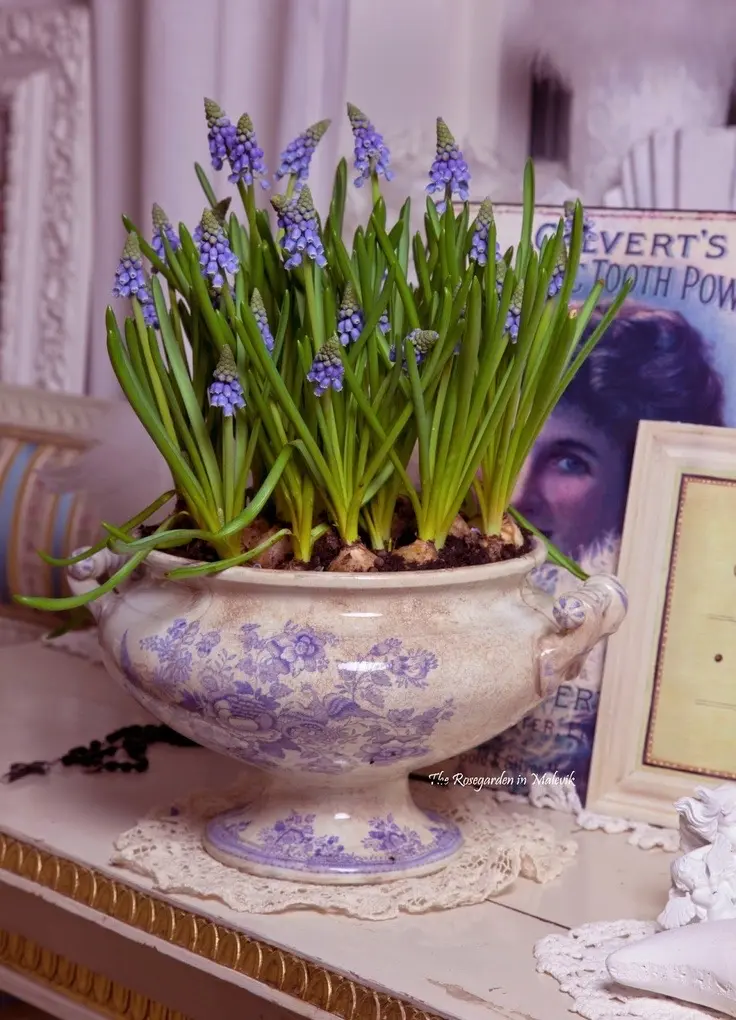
[45,80]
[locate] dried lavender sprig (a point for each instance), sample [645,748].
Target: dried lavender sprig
[350,318]
[220,133]
[259,313]
[327,371]
[449,173]
[372,156]
[245,155]
[296,158]
[215,253]
[163,228]
[297,218]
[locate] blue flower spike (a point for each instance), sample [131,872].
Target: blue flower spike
[423,341]
[514,314]
[162,228]
[501,270]
[220,133]
[295,160]
[259,314]
[297,218]
[372,157]
[449,173]
[245,156]
[225,390]
[479,245]
[558,275]
[327,371]
[130,280]
[215,254]
[589,233]
[350,319]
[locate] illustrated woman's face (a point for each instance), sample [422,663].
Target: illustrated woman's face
[573,486]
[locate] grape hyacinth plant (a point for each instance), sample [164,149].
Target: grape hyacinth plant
[295,160]
[288,373]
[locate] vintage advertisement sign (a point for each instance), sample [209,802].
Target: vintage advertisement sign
[669,356]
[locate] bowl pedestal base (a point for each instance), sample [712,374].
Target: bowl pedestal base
[327,831]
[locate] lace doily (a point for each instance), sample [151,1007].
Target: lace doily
[577,961]
[563,797]
[500,847]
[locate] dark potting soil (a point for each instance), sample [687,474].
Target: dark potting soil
[324,551]
[457,552]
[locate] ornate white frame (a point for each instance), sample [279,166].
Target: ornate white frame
[620,783]
[47,257]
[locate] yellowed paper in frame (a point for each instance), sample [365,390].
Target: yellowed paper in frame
[693,719]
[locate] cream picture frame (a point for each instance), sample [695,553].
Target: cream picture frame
[678,643]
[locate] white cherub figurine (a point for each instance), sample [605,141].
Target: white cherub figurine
[712,810]
[703,886]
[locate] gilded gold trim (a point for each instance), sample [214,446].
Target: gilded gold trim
[73,981]
[309,982]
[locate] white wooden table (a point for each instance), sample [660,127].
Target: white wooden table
[81,939]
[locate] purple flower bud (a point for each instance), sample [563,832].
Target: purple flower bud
[246,156]
[162,228]
[479,246]
[220,133]
[225,390]
[589,233]
[294,161]
[350,320]
[297,217]
[215,254]
[513,317]
[259,313]
[449,173]
[423,341]
[558,275]
[371,154]
[327,370]
[383,324]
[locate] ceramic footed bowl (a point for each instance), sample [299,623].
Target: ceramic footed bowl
[337,686]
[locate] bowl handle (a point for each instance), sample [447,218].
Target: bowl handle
[88,574]
[583,617]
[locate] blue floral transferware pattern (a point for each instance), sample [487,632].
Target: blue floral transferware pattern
[292,843]
[261,703]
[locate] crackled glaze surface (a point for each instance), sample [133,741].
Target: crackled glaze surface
[296,842]
[262,694]
[337,686]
